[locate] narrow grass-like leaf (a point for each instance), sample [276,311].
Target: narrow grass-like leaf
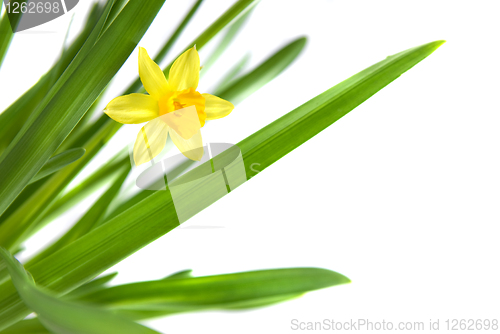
[118,5]
[155,215]
[88,221]
[141,195]
[5,36]
[26,155]
[8,24]
[94,285]
[62,317]
[242,87]
[86,187]
[233,72]
[181,294]
[27,326]
[227,39]
[57,162]
[232,15]
[181,274]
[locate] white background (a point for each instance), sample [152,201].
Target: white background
[401,195]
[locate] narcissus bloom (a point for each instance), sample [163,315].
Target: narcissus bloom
[169,107]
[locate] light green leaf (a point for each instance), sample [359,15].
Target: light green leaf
[229,291]
[27,326]
[5,36]
[86,187]
[58,162]
[62,317]
[89,220]
[242,87]
[8,25]
[155,215]
[181,274]
[94,285]
[229,36]
[232,15]
[234,71]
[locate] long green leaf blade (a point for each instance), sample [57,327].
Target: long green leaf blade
[86,187]
[155,216]
[27,326]
[94,285]
[62,317]
[89,220]
[241,88]
[228,38]
[181,294]
[6,36]
[232,73]
[58,162]
[232,15]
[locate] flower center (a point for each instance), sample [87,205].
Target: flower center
[178,105]
[178,100]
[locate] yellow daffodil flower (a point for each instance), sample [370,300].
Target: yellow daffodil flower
[169,107]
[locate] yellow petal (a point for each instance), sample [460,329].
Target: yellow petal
[152,76]
[192,148]
[215,107]
[185,72]
[132,109]
[150,141]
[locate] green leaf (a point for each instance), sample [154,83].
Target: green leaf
[55,120]
[232,15]
[8,24]
[27,326]
[229,36]
[228,78]
[155,215]
[141,195]
[86,187]
[62,317]
[229,291]
[5,36]
[89,220]
[58,162]
[94,285]
[242,87]
[181,274]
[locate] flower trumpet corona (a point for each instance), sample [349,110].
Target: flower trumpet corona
[173,106]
